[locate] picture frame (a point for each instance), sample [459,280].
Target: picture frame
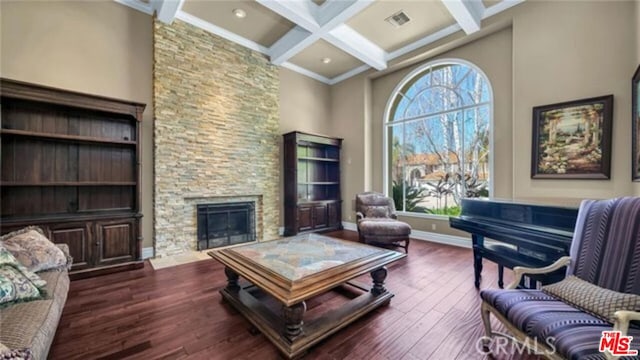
[572,140]
[635,125]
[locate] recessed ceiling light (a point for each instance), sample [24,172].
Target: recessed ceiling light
[326,60]
[239,13]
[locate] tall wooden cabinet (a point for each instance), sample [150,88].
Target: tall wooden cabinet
[311,183]
[71,165]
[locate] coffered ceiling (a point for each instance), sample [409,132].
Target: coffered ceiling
[328,40]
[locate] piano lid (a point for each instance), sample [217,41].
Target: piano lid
[512,213]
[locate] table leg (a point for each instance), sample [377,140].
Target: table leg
[293,320]
[232,279]
[378,276]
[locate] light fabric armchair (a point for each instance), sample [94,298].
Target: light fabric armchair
[605,260]
[377,221]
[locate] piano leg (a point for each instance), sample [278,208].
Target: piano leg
[478,242]
[477,268]
[500,276]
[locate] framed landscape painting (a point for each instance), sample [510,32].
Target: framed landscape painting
[635,126]
[572,140]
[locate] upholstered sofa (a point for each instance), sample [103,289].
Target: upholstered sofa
[32,325]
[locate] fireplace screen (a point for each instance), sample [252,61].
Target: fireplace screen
[225,224]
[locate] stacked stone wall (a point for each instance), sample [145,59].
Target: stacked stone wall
[215,133]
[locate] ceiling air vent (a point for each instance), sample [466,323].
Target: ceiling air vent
[398,19]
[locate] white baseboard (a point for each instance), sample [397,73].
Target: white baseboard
[147,252]
[441,238]
[349,226]
[427,236]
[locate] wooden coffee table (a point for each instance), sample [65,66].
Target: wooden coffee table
[295,269]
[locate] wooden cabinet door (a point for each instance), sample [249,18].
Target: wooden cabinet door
[79,239]
[320,216]
[116,241]
[305,221]
[333,211]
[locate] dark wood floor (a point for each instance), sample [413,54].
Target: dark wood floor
[177,313]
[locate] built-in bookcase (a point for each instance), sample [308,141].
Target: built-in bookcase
[312,183]
[70,164]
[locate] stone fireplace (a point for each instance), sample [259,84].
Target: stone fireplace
[216,134]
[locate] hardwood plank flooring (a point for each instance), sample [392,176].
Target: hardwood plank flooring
[177,313]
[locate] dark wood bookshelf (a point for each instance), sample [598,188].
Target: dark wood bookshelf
[71,165]
[312,183]
[72,138]
[71,183]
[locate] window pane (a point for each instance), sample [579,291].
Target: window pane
[396,164]
[401,108]
[476,174]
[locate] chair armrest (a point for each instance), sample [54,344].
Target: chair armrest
[519,271]
[359,216]
[622,319]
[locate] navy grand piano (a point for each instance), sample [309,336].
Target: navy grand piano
[524,234]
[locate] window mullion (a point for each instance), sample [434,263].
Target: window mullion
[443,112]
[404,164]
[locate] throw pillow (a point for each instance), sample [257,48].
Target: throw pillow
[377,212]
[21,354]
[34,250]
[597,301]
[16,282]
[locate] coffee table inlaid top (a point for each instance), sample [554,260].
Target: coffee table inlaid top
[294,269]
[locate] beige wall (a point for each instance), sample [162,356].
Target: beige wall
[101,48]
[561,53]
[347,122]
[305,105]
[550,52]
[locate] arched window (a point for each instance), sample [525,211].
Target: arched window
[438,121]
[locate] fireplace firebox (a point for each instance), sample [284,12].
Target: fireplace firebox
[225,224]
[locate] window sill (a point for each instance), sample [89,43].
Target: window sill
[423,216]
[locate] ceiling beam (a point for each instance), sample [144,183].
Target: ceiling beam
[337,12]
[468,13]
[328,23]
[350,41]
[166,10]
[294,41]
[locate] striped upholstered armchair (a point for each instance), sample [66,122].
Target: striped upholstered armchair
[566,320]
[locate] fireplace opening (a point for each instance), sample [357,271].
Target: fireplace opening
[225,224]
